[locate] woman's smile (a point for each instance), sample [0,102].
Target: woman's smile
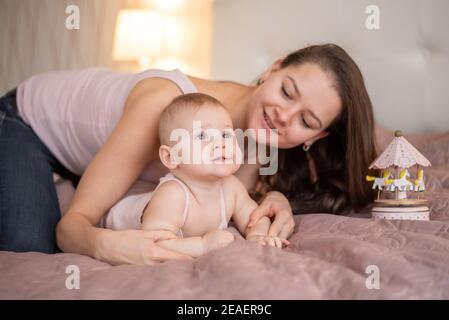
[268,123]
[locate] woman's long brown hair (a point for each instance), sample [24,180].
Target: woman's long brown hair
[330,176]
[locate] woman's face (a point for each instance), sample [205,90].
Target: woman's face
[299,102]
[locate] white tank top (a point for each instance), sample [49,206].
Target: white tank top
[74,112]
[127,213]
[223,222]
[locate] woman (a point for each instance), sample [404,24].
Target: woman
[103,125]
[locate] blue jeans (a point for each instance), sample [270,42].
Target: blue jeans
[29,208]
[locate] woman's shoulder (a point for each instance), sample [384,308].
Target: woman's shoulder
[152,91]
[209,86]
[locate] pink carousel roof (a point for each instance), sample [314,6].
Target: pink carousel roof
[399,153]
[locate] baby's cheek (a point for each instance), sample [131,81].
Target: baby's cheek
[236,151]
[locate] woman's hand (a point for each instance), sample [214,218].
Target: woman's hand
[276,205]
[136,247]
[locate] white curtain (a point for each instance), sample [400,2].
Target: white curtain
[34,37]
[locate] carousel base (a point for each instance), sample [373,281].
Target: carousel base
[401,211]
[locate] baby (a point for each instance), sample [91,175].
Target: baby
[200,195]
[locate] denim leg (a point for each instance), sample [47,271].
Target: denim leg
[29,209]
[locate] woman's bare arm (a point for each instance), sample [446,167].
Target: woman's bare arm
[117,165]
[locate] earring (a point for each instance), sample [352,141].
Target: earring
[260,81]
[306,147]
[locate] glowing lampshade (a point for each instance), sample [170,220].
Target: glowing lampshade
[138,36]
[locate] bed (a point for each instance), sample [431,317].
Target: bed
[330,257]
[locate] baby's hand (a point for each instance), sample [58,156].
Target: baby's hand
[272,241]
[217,239]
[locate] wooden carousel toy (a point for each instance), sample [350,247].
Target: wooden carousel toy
[399,195]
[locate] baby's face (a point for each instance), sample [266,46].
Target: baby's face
[211,148]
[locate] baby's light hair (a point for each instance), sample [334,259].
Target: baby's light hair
[186,102]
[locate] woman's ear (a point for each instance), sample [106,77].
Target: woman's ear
[316,138]
[166,158]
[274,67]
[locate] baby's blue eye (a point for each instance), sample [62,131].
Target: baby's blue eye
[227,135]
[201,136]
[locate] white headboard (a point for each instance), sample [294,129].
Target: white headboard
[405,63]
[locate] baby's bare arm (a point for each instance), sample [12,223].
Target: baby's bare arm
[192,246]
[165,212]
[243,206]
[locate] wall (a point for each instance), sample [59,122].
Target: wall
[405,63]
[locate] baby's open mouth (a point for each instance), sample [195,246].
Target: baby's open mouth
[220,158]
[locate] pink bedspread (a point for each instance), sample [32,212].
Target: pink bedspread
[330,257]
